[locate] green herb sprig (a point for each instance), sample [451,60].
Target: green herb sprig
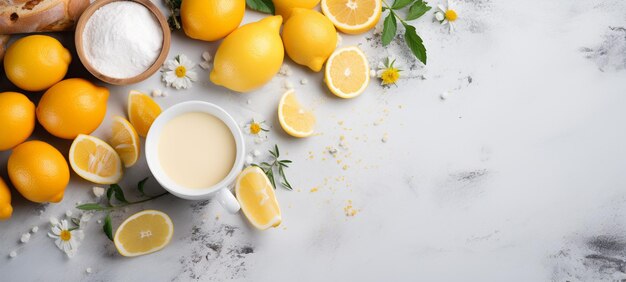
[263,6]
[417,8]
[116,192]
[174,19]
[276,164]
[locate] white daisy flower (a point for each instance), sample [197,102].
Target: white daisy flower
[257,129]
[388,71]
[446,15]
[67,239]
[179,73]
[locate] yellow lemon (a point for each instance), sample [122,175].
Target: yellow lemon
[347,72]
[309,38]
[250,56]
[39,172]
[125,141]
[5,201]
[143,233]
[211,20]
[257,199]
[95,160]
[142,111]
[284,7]
[71,107]
[294,119]
[36,62]
[353,16]
[17,119]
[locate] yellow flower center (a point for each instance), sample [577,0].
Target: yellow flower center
[65,235]
[181,71]
[255,128]
[390,76]
[451,15]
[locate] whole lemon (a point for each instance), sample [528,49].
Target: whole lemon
[211,20]
[39,172]
[309,38]
[250,56]
[5,201]
[283,7]
[17,119]
[36,62]
[71,107]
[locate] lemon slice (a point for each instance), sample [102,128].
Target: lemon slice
[142,111]
[347,72]
[125,141]
[353,16]
[257,199]
[143,233]
[296,121]
[95,160]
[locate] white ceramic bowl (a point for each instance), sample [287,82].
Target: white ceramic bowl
[219,190]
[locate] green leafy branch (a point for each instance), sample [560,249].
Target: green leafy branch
[115,193]
[276,164]
[174,19]
[417,8]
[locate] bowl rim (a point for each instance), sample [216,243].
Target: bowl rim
[78,41]
[152,140]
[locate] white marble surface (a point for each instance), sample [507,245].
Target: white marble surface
[517,176]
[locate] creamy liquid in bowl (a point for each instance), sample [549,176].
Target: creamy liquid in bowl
[196,150]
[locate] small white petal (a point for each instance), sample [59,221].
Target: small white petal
[65,225]
[192,75]
[56,230]
[439,16]
[54,221]
[25,238]
[155,93]
[68,213]
[88,270]
[34,229]
[441,8]
[206,56]
[304,81]
[13,254]
[256,153]
[171,65]
[205,65]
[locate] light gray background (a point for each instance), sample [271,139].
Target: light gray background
[517,176]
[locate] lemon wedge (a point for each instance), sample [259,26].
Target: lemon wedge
[142,111]
[95,160]
[143,233]
[294,119]
[125,141]
[347,72]
[353,16]
[257,199]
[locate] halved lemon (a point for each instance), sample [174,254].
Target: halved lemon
[347,72]
[142,111]
[125,141]
[95,160]
[257,199]
[353,16]
[143,233]
[294,119]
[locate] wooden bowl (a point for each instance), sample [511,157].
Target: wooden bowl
[78,40]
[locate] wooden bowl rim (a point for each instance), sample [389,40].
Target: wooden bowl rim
[78,41]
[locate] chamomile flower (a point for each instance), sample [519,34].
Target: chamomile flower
[256,129]
[388,72]
[446,15]
[179,72]
[67,239]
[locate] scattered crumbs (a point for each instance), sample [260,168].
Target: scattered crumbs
[12,254]
[285,70]
[249,101]
[304,81]
[217,216]
[256,153]
[313,190]
[311,156]
[205,65]
[34,229]
[68,213]
[25,238]
[249,159]
[339,161]
[332,150]
[98,191]
[88,270]
[345,167]
[385,138]
[400,106]
[444,95]
[340,122]
[349,210]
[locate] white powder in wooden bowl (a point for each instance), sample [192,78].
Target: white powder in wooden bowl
[122,39]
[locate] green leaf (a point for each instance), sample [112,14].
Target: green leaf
[90,207]
[415,43]
[119,193]
[107,228]
[276,150]
[270,175]
[417,10]
[140,186]
[389,29]
[399,4]
[263,6]
[285,182]
[110,193]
